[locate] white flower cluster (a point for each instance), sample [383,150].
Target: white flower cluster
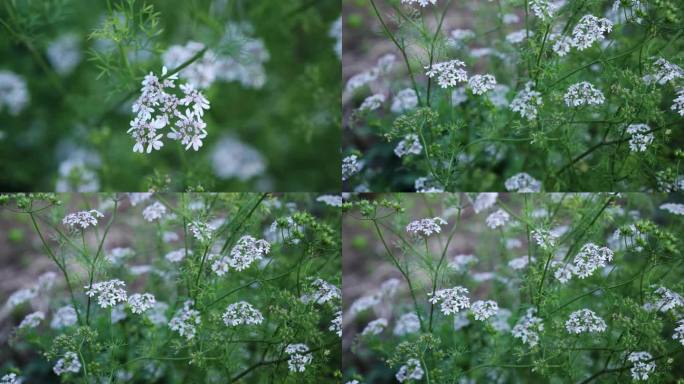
[543,9]
[299,358]
[526,102]
[405,100]
[679,332]
[83,219]
[583,93]
[11,378]
[336,324]
[406,324]
[484,201]
[590,258]
[246,251]
[64,53]
[520,262]
[589,30]
[641,366]
[667,299]
[483,310]
[517,37]
[564,271]
[202,231]
[544,238]
[528,328]
[109,293]
[350,167]
[245,67]
[384,66]
[177,256]
[641,137]
[480,84]
[425,227]
[375,327]
[422,3]
[452,300]
[561,44]
[664,72]
[118,254]
[232,158]
[372,102]
[156,109]
[410,145]
[154,212]
[32,320]
[140,303]
[67,364]
[331,200]
[323,292]
[585,320]
[678,102]
[13,93]
[497,219]
[186,320]
[410,371]
[240,313]
[427,185]
[677,209]
[460,263]
[64,317]
[448,73]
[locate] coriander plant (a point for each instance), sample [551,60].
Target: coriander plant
[445,95]
[142,287]
[513,288]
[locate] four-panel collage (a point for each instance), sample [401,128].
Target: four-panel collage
[341,191]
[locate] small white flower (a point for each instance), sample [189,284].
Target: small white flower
[64,317]
[666,72]
[405,100]
[448,73]
[422,3]
[642,367]
[242,313]
[583,93]
[589,30]
[483,310]
[11,378]
[425,227]
[32,320]
[154,212]
[13,93]
[484,201]
[157,314]
[583,321]
[480,84]
[109,293]
[528,328]
[679,332]
[641,137]
[561,44]
[299,357]
[117,255]
[406,324]
[202,231]
[323,292]
[543,9]
[372,103]
[336,324]
[410,145]
[350,167]
[544,238]
[517,37]
[520,262]
[186,320]
[526,102]
[177,256]
[247,251]
[667,299]
[83,219]
[67,364]
[590,258]
[497,219]
[460,263]
[231,158]
[677,209]
[523,183]
[140,303]
[331,200]
[64,53]
[412,370]
[375,327]
[452,300]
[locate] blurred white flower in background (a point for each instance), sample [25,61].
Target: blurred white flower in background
[64,53]
[13,93]
[231,158]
